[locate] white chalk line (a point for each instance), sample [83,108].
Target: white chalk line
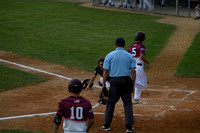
[64,77]
[175,90]
[162,113]
[96,105]
[41,114]
[34,69]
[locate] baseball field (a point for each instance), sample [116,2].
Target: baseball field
[45,43]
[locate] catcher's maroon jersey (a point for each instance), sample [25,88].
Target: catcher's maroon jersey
[76,111]
[136,48]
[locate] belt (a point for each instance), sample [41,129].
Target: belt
[139,64]
[119,77]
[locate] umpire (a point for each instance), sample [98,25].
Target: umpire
[119,65]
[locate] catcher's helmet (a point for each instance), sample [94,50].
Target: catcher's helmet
[75,86]
[140,36]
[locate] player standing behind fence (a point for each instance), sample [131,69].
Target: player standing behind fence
[119,65]
[76,111]
[197,11]
[138,51]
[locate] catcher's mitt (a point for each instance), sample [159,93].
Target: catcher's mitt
[103,96]
[86,82]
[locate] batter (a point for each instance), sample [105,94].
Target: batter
[137,49]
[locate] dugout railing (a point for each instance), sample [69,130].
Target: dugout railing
[171,7]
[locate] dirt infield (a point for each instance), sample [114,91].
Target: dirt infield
[170,104]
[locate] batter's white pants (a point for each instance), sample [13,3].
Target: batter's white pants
[107,83]
[197,12]
[140,82]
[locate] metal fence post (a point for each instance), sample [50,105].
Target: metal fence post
[135,4]
[189,11]
[177,7]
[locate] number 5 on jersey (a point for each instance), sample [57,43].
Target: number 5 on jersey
[133,52]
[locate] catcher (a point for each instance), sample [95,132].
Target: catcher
[98,70]
[89,83]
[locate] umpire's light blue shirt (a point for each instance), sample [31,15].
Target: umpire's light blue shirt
[119,63]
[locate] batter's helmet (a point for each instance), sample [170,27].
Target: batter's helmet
[140,36]
[75,86]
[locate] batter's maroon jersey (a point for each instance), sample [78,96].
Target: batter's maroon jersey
[76,111]
[136,48]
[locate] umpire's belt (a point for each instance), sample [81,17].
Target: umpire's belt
[119,77]
[139,64]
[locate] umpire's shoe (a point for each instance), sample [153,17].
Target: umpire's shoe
[105,128]
[130,130]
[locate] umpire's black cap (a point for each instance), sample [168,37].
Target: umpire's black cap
[120,40]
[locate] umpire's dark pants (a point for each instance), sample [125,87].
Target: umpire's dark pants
[120,87]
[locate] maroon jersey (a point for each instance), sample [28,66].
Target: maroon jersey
[136,48]
[76,111]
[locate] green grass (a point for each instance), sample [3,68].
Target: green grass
[16,131]
[189,66]
[65,33]
[12,78]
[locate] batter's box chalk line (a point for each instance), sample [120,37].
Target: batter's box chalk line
[160,114]
[174,90]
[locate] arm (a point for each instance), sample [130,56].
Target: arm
[143,58]
[57,121]
[56,128]
[105,76]
[90,124]
[196,8]
[91,81]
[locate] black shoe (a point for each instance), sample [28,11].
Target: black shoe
[125,6]
[112,5]
[120,6]
[105,128]
[130,130]
[130,6]
[196,18]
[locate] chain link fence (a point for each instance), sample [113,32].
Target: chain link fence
[170,7]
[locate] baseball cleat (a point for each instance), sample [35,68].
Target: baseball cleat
[105,128]
[137,101]
[130,130]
